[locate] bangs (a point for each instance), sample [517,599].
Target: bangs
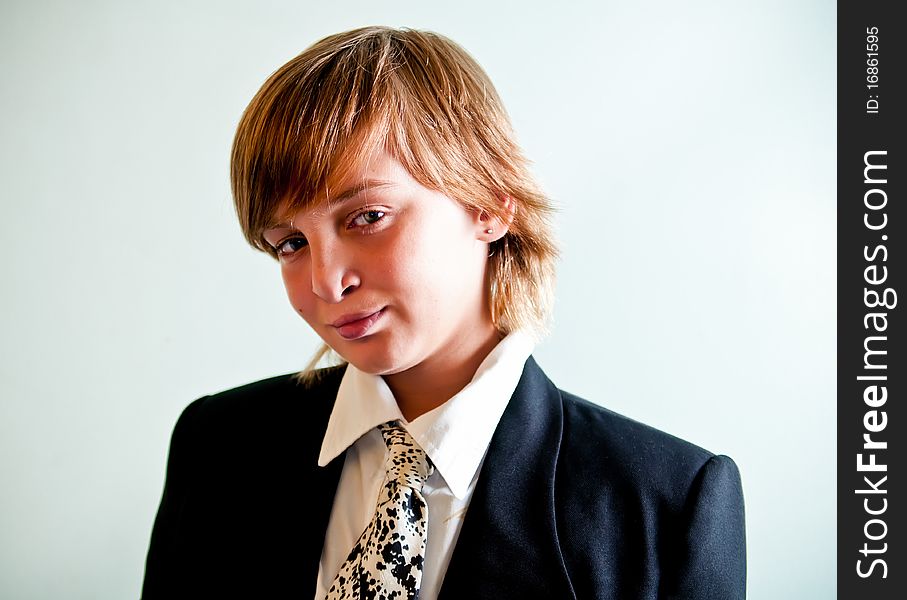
[311,123]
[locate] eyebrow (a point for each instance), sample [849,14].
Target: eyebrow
[333,202]
[357,189]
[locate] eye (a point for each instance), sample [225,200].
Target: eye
[288,246]
[367,217]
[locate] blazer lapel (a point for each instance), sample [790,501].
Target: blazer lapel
[508,545]
[321,483]
[318,513]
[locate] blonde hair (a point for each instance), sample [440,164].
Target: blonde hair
[426,101]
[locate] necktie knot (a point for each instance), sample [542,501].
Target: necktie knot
[407,463]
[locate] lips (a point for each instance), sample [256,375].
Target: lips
[356,325]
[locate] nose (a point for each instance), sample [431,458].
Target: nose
[333,277]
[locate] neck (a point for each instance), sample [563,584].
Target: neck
[436,380]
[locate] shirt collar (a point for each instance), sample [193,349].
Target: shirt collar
[455,435]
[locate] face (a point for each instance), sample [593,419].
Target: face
[390,274]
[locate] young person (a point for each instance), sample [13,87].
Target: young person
[436,460]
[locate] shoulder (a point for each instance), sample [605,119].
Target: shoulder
[641,509]
[634,459]
[615,433]
[271,394]
[261,409]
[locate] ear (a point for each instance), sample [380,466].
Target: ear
[494,228]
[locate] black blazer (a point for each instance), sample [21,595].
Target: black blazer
[573,501]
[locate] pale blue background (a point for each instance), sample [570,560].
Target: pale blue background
[690,147]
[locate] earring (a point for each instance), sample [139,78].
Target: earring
[489,230]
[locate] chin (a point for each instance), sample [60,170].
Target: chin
[371,356]
[375,365]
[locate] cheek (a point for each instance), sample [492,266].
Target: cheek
[299,291]
[440,266]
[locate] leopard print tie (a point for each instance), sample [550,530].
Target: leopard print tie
[386,561]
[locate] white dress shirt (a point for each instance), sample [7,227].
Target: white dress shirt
[455,436]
